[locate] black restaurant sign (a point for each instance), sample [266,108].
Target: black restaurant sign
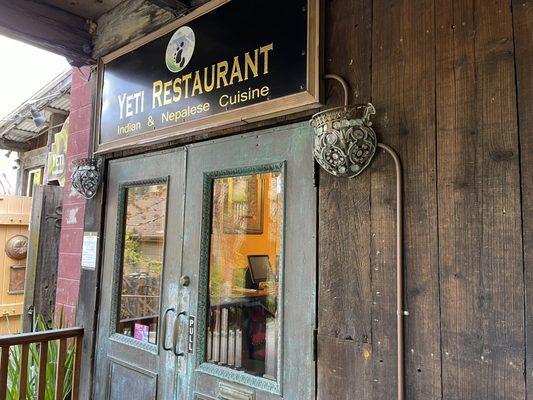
[239,54]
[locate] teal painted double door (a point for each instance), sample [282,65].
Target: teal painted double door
[208,280]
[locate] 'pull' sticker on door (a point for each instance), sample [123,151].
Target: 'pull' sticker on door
[190,340]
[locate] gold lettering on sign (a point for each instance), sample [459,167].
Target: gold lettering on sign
[222,74]
[222,71]
[131,104]
[243,96]
[157,88]
[235,71]
[209,86]
[180,115]
[264,51]
[128,128]
[251,65]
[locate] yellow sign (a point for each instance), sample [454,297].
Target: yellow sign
[55,170]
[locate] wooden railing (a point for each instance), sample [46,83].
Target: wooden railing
[41,340]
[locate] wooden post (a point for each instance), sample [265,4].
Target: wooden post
[43,251]
[77,369]
[43,361]
[60,376]
[23,382]
[4,363]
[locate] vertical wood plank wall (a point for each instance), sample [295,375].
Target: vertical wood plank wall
[344,315]
[452,81]
[523,33]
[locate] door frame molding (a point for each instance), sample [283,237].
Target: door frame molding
[260,383]
[299,147]
[100,203]
[118,259]
[99,290]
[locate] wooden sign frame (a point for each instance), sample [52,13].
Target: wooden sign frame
[306,100]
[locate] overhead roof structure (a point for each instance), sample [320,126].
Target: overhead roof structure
[91,9]
[18,128]
[81,31]
[69,27]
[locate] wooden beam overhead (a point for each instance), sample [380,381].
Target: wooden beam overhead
[128,21]
[6,144]
[176,7]
[49,28]
[5,130]
[24,132]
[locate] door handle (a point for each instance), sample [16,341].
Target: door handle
[164,329]
[176,334]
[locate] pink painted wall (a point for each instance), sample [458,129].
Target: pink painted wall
[69,269]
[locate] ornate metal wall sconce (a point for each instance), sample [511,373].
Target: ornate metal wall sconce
[345,143]
[344,146]
[86,176]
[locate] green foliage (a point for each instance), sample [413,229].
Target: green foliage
[132,254]
[14,367]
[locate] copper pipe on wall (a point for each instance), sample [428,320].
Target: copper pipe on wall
[400,313]
[342,82]
[399,269]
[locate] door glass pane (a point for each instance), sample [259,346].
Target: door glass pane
[142,265]
[246,241]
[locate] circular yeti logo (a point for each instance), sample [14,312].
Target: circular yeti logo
[180,49]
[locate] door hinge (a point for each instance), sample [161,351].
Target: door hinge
[315,344]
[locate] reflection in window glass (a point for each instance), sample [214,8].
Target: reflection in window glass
[243,318]
[35,177]
[142,265]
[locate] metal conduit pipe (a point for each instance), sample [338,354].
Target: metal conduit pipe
[400,312]
[342,82]
[399,269]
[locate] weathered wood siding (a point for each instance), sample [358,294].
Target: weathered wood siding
[523,34]
[133,19]
[128,21]
[43,255]
[452,82]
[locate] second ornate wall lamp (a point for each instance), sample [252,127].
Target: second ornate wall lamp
[344,146]
[86,177]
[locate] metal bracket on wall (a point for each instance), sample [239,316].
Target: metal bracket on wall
[57,216]
[345,145]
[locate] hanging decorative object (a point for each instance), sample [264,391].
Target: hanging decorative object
[345,143]
[86,177]
[17,247]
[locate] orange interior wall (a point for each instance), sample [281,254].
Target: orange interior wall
[230,251]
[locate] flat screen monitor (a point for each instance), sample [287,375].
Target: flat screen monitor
[260,268]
